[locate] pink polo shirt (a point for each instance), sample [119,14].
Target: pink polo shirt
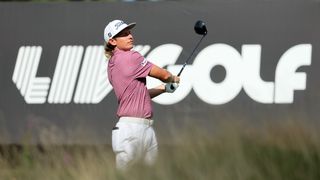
[127,72]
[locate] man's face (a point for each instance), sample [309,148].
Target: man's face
[123,40]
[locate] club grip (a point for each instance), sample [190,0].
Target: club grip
[171,87]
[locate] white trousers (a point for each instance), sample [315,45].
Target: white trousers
[134,139]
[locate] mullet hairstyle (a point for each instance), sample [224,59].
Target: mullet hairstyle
[108,50]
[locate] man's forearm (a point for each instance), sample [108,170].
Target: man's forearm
[156,91]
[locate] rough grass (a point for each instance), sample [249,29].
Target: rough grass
[287,151]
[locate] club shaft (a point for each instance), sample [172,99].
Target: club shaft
[184,65]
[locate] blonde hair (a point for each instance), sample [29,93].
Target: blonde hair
[108,50]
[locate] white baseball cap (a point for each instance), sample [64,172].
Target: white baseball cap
[114,27]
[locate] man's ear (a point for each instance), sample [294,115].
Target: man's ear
[113,42]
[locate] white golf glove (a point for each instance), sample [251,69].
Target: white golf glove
[171,87]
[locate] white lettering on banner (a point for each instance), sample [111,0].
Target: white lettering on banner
[142,49]
[204,87]
[93,84]
[65,74]
[287,79]
[253,85]
[33,89]
[242,71]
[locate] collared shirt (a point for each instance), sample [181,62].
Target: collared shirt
[127,72]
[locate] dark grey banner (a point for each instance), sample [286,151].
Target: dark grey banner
[258,63]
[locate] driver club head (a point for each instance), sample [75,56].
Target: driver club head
[200,28]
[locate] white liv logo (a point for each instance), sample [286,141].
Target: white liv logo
[92,85]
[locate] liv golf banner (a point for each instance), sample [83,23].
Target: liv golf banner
[258,63]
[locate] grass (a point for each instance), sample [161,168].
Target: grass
[275,151]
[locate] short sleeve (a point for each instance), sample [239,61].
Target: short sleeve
[138,66]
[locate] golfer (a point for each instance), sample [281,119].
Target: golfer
[133,137]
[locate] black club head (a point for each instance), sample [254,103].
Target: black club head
[200,28]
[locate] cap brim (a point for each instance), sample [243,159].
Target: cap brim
[129,26]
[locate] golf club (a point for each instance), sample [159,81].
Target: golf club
[201,29]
